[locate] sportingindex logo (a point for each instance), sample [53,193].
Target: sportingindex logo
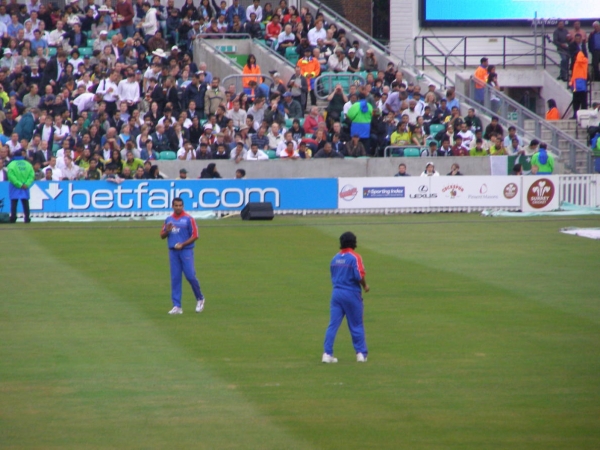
[383,192]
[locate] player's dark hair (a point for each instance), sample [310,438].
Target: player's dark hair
[177,199]
[348,240]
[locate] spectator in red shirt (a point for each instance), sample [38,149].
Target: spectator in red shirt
[459,149]
[272,30]
[312,121]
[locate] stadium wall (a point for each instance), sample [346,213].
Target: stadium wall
[327,168]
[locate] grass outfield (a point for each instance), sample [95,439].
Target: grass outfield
[483,334]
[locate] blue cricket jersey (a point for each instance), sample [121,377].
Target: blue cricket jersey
[347,270]
[184,227]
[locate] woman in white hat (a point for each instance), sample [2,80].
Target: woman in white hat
[430,171]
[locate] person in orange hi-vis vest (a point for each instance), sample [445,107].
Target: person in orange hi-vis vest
[310,68]
[552,113]
[481,77]
[579,83]
[251,68]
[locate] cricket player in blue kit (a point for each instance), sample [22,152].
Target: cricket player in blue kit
[181,232]
[347,277]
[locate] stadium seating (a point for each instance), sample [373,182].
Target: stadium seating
[167,156]
[412,151]
[52,51]
[435,128]
[271,154]
[291,55]
[86,51]
[55,148]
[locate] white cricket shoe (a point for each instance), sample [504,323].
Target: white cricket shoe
[361,358]
[176,310]
[200,305]
[328,359]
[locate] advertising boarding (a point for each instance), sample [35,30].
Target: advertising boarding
[540,193]
[475,192]
[424,192]
[157,195]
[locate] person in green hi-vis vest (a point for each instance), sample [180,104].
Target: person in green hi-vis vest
[21,176]
[543,160]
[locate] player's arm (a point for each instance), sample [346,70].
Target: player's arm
[360,270]
[166,229]
[364,284]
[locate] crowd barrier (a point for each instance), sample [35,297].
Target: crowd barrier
[312,195]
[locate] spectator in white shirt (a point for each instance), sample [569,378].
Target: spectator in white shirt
[256,9]
[411,112]
[316,33]
[86,101]
[13,144]
[186,153]
[237,114]
[275,137]
[287,137]
[70,171]
[128,90]
[60,130]
[466,135]
[150,23]
[255,154]
[56,172]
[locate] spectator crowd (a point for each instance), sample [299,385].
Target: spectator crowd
[104,91]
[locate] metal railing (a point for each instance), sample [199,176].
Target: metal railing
[403,150]
[523,50]
[239,80]
[353,32]
[326,82]
[507,108]
[281,59]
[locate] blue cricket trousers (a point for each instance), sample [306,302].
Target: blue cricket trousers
[350,304]
[182,261]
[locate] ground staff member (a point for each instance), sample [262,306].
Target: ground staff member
[21,176]
[347,277]
[181,232]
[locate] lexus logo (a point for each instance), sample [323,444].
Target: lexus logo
[423,188]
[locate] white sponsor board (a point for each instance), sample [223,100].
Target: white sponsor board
[424,192]
[486,192]
[380,192]
[540,193]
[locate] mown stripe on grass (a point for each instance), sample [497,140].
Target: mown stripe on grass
[84,367]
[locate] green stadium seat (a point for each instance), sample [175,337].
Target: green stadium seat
[168,156]
[291,55]
[289,123]
[301,120]
[111,33]
[52,51]
[411,152]
[272,154]
[436,128]
[86,51]
[55,148]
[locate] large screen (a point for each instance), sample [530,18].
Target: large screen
[506,12]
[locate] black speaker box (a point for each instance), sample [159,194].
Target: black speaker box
[258,211]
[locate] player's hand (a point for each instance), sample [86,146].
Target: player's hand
[177,246]
[169,227]
[367,288]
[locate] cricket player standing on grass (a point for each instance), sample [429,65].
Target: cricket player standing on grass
[181,232]
[347,277]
